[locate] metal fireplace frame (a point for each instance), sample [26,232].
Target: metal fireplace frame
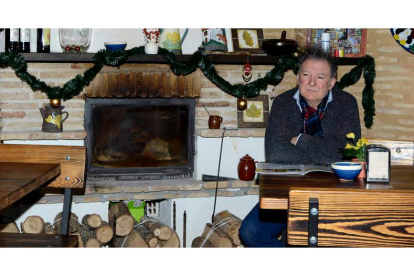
[133,174]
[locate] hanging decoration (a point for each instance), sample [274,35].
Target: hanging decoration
[247,71]
[199,59]
[247,76]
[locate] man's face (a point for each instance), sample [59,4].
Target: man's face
[314,80]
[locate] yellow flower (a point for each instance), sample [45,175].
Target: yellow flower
[350,135]
[362,142]
[348,146]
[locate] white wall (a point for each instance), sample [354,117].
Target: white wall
[234,148]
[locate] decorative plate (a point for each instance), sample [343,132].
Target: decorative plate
[404,37]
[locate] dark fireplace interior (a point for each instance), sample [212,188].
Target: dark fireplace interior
[140,139]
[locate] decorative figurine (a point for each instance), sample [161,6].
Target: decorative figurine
[152,36]
[247,71]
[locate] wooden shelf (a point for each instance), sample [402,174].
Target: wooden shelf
[143,58]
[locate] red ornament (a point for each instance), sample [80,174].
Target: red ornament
[67,48]
[247,72]
[77,48]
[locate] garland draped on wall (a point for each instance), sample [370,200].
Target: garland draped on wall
[199,59]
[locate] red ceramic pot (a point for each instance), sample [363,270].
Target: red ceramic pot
[246,168]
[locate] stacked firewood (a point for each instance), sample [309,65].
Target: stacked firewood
[121,229]
[223,233]
[150,232]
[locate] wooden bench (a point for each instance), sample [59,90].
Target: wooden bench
[350,218]
[72,160]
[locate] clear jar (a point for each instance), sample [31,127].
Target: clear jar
[75,40]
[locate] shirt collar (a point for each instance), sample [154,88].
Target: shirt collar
[296,97]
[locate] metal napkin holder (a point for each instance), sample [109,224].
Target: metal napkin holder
[378,163]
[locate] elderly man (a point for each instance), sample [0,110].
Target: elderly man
[307,124]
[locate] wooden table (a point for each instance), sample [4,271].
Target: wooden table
[274,189]
[350,214]
[19,179]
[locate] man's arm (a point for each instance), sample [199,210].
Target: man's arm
[343,119]
[281,127]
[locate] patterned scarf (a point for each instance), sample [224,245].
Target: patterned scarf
[312,117]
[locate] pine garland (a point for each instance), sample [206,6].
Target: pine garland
[199,59]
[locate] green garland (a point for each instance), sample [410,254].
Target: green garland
[198,60]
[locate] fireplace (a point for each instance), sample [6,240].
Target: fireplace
[140,139]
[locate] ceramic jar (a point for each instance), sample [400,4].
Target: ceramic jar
[246,168]
[214,121]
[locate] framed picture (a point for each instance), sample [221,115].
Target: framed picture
[217,40]
[248,40]
[256,114]
[353,41]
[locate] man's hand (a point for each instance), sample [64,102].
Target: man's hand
[294,140]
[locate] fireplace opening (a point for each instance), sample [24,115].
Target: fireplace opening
[140,139]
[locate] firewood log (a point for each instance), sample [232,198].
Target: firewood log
[198,241]
[173,241]
[48,228]
[9,227]
[88,238]
[92,221]
[80,242]
[132,240]
[32,224]
[120,219]
[73,223]
[104,233]
[231,225]
[147,236]
[218,237]
[160,230]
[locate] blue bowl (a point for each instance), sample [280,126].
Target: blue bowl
[346,170]
[114,46]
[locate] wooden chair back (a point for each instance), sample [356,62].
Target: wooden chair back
[71,158]
[352,218]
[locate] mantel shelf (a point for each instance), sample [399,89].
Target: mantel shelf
[235,59]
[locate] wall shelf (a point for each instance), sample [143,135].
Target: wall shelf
[143,58]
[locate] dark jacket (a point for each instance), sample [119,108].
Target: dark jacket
[285,121]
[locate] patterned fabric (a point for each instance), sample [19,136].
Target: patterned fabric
[312,118]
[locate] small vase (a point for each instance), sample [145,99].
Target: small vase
[363,173]
[151,48]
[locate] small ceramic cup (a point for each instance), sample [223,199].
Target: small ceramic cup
[214,122]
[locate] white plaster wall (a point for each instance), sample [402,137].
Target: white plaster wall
[234,148]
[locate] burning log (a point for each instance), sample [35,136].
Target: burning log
[32,224]
[121,219]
